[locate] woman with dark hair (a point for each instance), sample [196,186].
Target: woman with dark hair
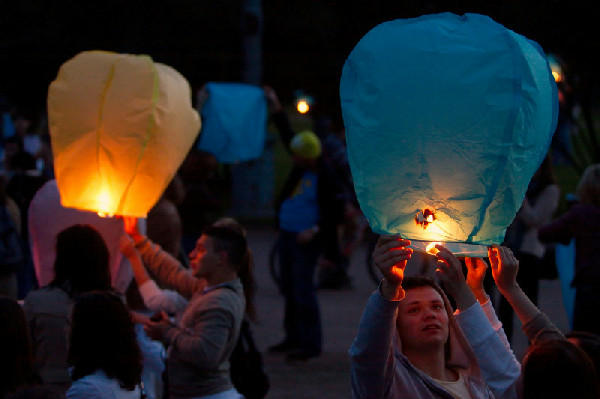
[81,265]
[106,359]
[563,363]
[16,359]
[245,273]
[590,343]
[553,367]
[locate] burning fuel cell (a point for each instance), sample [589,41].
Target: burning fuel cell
[431,249]
[425,217]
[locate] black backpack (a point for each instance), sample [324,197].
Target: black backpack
[247,372]
[11,252]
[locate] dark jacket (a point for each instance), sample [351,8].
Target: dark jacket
[329,191]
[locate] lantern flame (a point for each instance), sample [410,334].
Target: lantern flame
[104,204]
[557,77]
[302,106]
[431,249]
[425,217]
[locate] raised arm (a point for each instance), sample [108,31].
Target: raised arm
[154,298]
[504,270]
[163,266]
[279,117]
[477,268]
[372,353]
[498,363]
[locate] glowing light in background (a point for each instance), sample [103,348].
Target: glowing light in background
[556,68]
[302,106]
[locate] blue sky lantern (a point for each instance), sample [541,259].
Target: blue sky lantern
[234,122]
[447,118]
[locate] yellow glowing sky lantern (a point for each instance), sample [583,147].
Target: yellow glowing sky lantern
[120,126]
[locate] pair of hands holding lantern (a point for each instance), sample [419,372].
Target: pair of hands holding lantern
[391,255]
[155,325]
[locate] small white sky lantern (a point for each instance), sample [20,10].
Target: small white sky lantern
[447,118]
[120,126]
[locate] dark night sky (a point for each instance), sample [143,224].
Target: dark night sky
[305,42]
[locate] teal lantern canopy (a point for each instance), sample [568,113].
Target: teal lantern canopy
[447,118]
[234,122]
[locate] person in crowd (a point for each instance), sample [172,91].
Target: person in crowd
[81,265]
[21,187]
[202,200]
[308,212]
[11,254]
[201,343]
[163,224]
[16,359]
[409,343]
[246,272]
[106,359]
[157,299]
[582,223]
[47,218]
[557,369]
[539,205]
[552,368]
[333,275]
[384,375]
[590,343]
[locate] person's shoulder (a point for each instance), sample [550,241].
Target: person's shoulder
[92,386]
[98,386]
[222,297]
[47,294]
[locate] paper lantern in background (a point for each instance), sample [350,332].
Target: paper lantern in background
[447,118]
[120,126]
[234,122]
[47,218]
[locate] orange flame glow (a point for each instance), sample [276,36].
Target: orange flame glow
[431,249]
[302,106]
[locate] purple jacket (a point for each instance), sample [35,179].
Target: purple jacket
[581,222]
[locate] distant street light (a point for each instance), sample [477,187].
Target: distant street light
[302,106]
[555,67]
[303,102]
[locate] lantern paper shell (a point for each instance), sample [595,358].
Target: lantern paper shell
[235,122]
[47,218]
[120,126]
[446,113]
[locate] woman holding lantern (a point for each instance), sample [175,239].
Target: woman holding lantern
[428,355]
[409,343]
